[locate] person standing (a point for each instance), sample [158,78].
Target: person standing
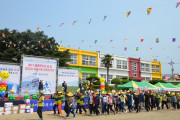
[96,102]
[91,102]
[55,103]
[77,97]
[174,100]
[71,106]
[41,85]
[82,103]
[136,102]
[157,100]
[64,85]
[164,101]
[141,100]
[129,100]
[104,102]
[147,101]
[110,104]
[60,102]
[40,105]
[123,102]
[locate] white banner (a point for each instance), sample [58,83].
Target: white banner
[70,76]
[14,77]
[36,69]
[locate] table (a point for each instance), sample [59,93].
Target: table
[15,102]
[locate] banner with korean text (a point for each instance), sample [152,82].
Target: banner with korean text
[70,76]
[14,76]
[36,69]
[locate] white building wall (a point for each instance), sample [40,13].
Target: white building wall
[147,75]
[112,71]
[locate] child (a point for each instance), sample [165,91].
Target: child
[136,102]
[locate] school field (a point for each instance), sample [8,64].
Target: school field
[152,115]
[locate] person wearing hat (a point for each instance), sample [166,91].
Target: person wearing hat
[136,102]
[164,101]
[123,102]
[147,101]
[55,103]
[40,105]
[77,96]
[110,104]
[71,106]
[82,103]
[91,101]
[174,100]
[157,100]
[104,102]
[141,100]
[96,102]
[129,100]
[60,102]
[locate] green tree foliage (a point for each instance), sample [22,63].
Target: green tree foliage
[156,81]
[107,62]
[124,78]
[130,79]
[124,81]
[116,81]
[14,44]
[92,78]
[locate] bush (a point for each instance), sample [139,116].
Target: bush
[156,81]
[116,81]
[124,81]
[85,83]
[131,78]
[96,86]
[97,82]
[124,78]
[111,88]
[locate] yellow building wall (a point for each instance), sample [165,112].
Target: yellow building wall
[157,75]
[79,57]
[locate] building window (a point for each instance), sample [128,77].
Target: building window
[84,76]
[121,64]
[147,66]
[153,68]
[134,66]
[103,76]
[157,68]
[147,78]
[73,59]
[85,60]
[134,74]
[142,67]
[110,78]
[102,65]
[92,61]
[118,76]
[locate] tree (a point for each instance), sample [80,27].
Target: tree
[116,81]
[91,79]
[124,81]
[130,78]
[156,81]
[124,78]
[107,62]
[14,44]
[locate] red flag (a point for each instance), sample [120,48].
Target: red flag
[37,28]
[142,40]
[42,46]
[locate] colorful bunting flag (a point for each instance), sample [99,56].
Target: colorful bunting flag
[177,5]
[3,34]
[90,20]
[157,40]
[111,40]
[137,48]
[174,40]
[149,11]
[37,28]
[105,17]
[125,48]
[74,22]
[142,40]
[95,41]
[128,13]
[151,48]
[112,47]
[42,46]
[61,24]
[125,40]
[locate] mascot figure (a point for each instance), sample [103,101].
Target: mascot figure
[3,83]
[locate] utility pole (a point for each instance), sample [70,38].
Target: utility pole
[172,69]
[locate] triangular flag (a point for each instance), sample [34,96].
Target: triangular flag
[95,41]
[61,24]
[37,28]
[174,40]
[74,22]
[125,48]
[111,40]
[125,40]
[112,47]
[3,34]
[149,11]
[142,40]
[157,40]
[151,48]
[137,48]
[42,46]
[105,17]
[90,20]
[128,13]
[177,5]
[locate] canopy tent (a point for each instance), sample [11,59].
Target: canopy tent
[146,84]
[178,85]
[130,84]
[167,86]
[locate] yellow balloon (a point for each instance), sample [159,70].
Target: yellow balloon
[102,80]
[4,74]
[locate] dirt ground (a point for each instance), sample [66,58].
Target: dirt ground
[151,115]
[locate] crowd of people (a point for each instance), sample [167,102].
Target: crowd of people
[100,103]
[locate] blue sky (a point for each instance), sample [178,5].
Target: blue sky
[162,23]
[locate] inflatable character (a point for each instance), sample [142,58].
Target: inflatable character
[3,83]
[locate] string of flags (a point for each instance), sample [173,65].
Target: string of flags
[128,13]
[149,11]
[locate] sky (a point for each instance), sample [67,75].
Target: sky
[162,23]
